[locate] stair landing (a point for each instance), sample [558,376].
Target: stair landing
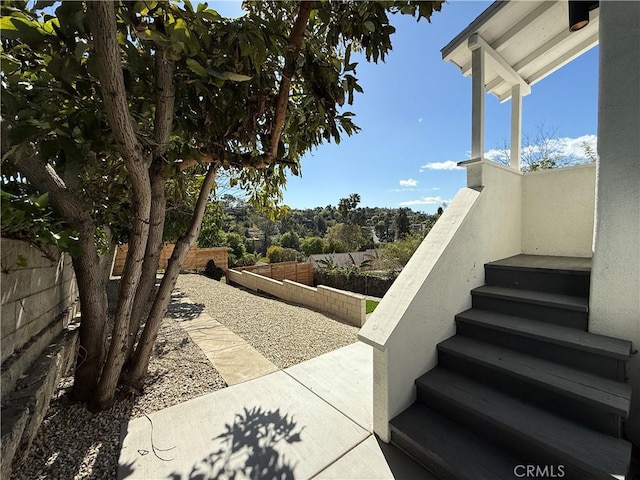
[545,262]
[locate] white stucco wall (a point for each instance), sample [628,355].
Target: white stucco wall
[480,225]
[615,276]
[558,211]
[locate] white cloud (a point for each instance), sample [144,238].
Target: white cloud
[435,189]
[448,165]
[563,146]
[419,120]
[409,182]
[402,190]
[575,146]
[494,154]
[423,201]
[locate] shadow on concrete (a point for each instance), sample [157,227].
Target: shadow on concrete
[249,448]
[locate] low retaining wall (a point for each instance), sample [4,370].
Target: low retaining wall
[24,409]
[350,307]
[37,292]
[39,298]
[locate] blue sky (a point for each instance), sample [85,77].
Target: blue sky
[415,115]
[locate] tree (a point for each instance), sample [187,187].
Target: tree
[277,254]
[313,245]
[290,240]
[106,105]
[403,226]
[321,226]
[396,255]
[347,238]
[347,205]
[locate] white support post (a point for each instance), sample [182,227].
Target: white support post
[477,102]
[516,127]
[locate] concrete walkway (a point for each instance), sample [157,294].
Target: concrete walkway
[235,360]
[309,421]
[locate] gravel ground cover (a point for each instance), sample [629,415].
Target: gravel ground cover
[73,443]
[286,334]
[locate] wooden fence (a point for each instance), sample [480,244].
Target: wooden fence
[196,259]
[296,272]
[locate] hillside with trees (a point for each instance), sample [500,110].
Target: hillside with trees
[298,233]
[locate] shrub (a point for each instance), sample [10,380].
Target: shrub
[313,245]
[290,240]
[247,260]
[396,255]
[278,254]
[213,271]
[236,243]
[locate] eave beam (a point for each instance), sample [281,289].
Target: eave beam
[502,68]
[575,52]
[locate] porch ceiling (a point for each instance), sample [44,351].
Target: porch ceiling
[527,41]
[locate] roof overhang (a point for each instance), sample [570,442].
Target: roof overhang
[524,40]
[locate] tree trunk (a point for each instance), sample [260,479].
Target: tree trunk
[107,51]
[93,325]
[137,371]
[163,123]
[91,282]
[152,254]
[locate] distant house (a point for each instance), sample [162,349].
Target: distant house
[255,233]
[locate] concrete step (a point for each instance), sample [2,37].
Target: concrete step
[446,449]
[564,310]
[589,399]
[598,354]
[526,431]
[564,275]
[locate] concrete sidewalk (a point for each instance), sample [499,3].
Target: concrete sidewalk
[312,420]
[234,359]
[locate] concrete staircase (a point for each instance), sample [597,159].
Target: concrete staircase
[523,390]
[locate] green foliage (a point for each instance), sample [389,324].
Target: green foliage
[236,244]
[27,217]
[290,240]
[347,238]
[247,260]
[313,245]
[346,206]
[278,254]
[211,233]
[403,226]
[371,306]
[328,263]
[236,251]
[396,255]
[227,74]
